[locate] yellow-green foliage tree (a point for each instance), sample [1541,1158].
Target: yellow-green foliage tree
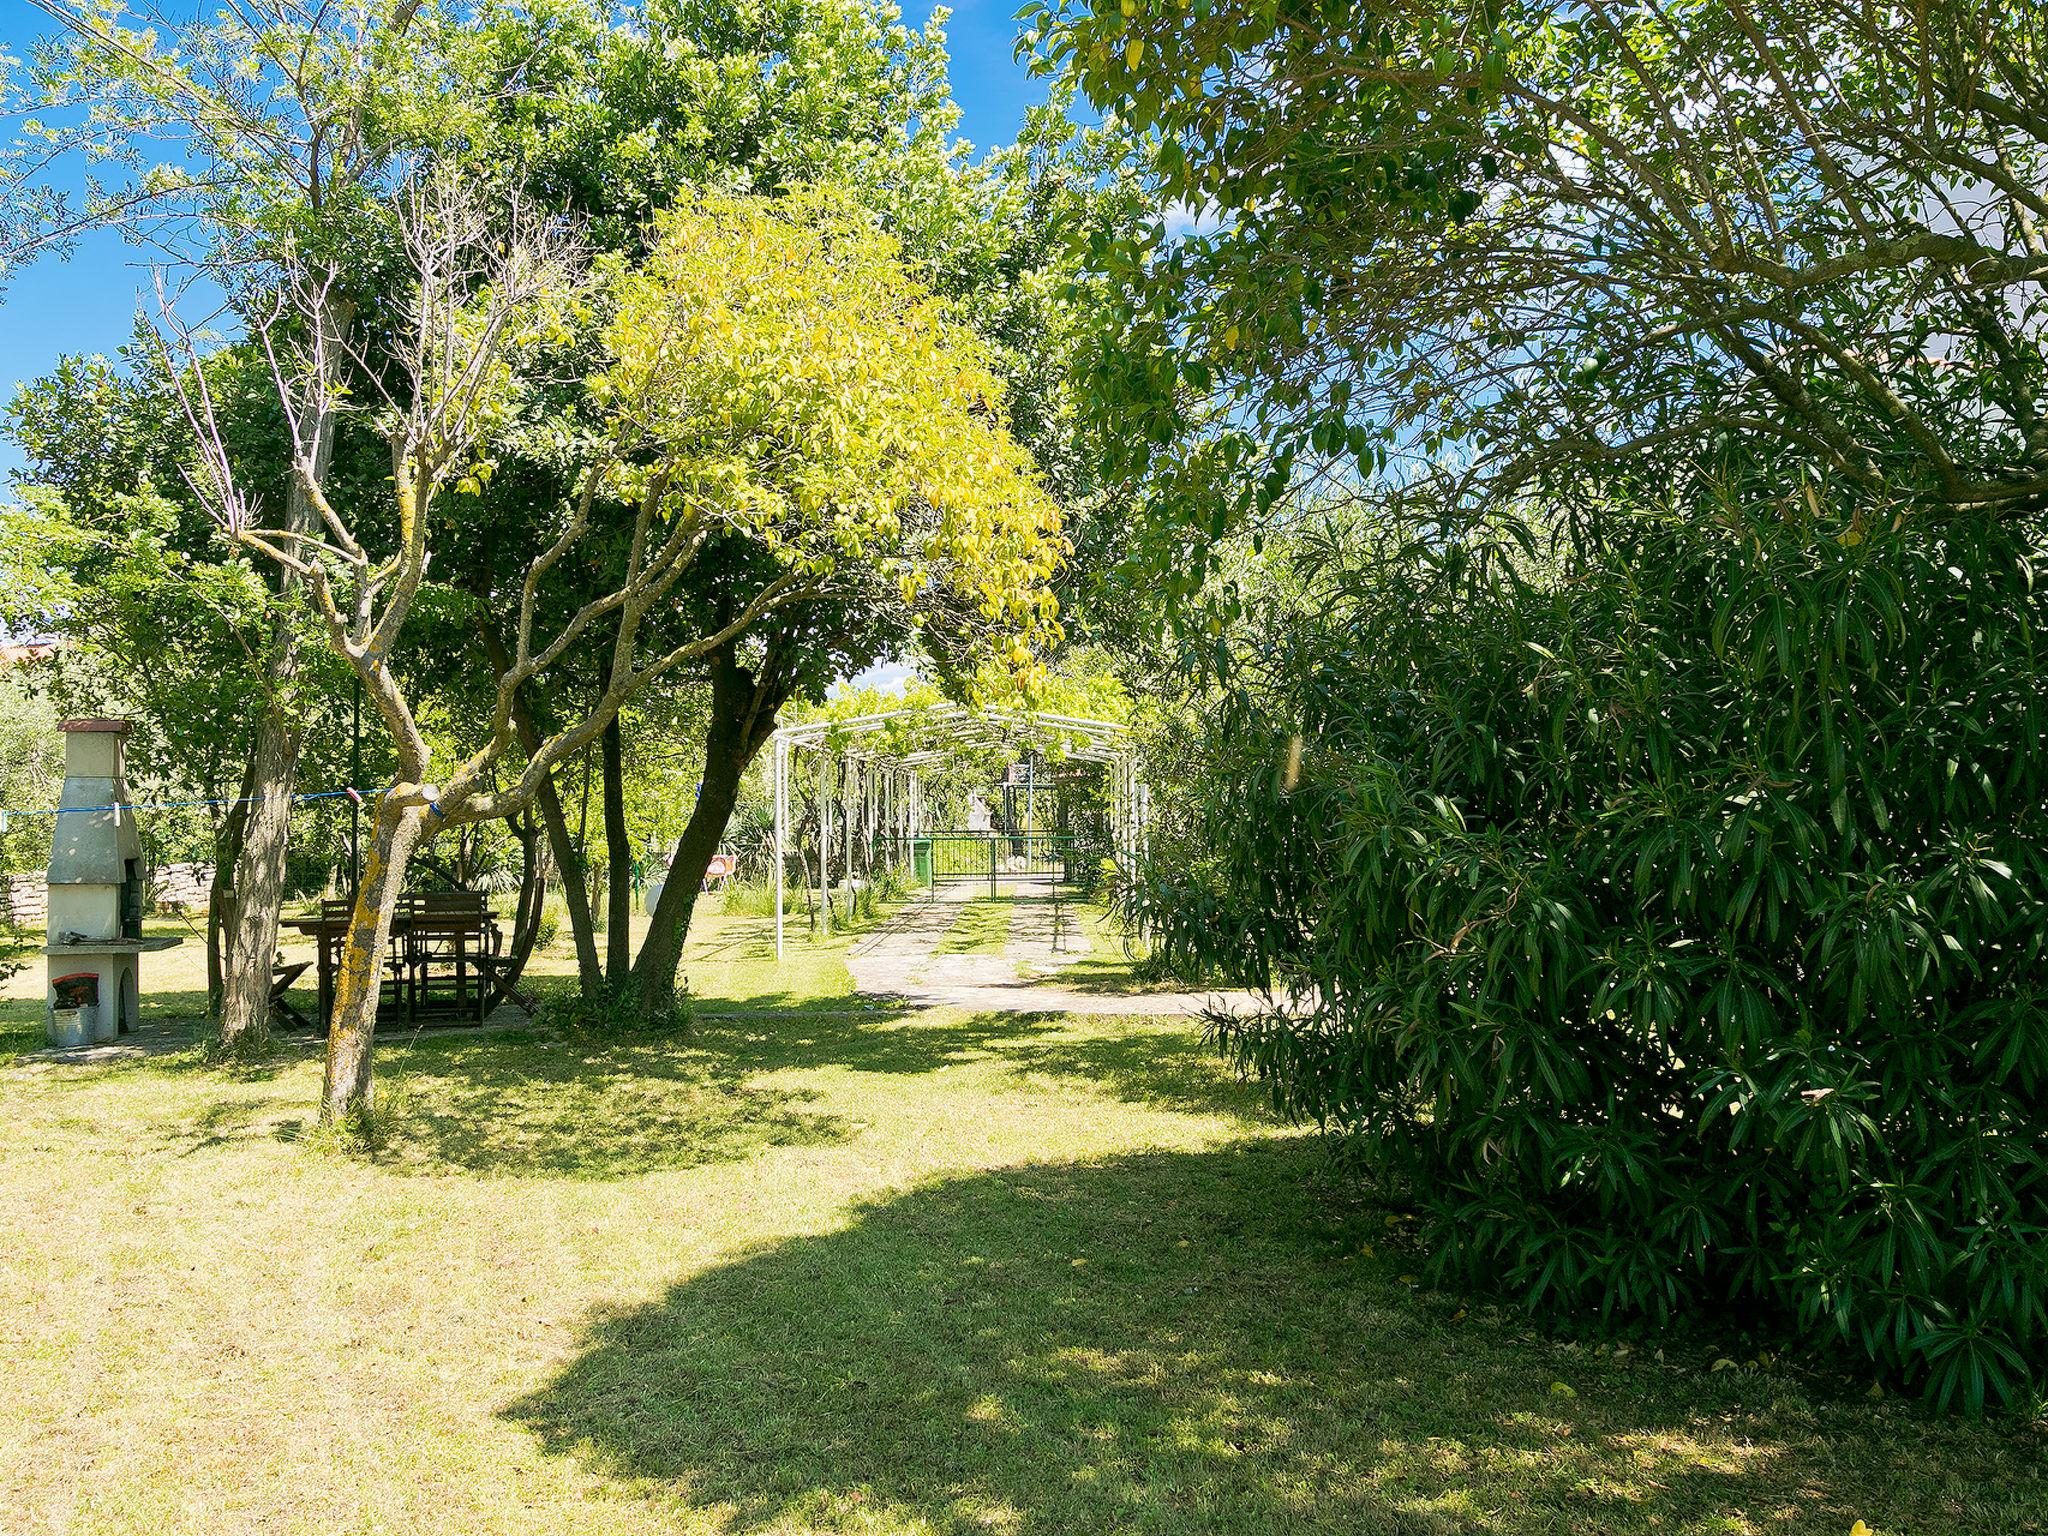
[776,370]
[775,392]
[794,376]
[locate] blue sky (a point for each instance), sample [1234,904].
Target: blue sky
[87,304]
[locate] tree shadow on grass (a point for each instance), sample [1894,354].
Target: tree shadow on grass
[1164,1063]
[882,1039]
[527,1105]
[171,1034]
[1110,980]
[1177,1342]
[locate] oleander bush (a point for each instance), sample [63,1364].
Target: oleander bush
[1658,897]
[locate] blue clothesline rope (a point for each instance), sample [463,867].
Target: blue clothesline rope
[8,813]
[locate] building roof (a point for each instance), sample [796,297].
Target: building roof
[21,653]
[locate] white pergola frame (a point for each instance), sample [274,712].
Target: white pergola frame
[894,790]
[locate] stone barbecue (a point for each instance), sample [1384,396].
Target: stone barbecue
[95,891]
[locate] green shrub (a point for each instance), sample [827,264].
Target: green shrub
[756,898]
[1663,906]
[566,1008]
[878,894]
[16,949]
[554,913]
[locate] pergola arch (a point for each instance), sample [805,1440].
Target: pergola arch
[899,782]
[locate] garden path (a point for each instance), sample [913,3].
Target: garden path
[907,960]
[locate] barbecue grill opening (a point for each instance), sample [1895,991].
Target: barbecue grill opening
[131,899]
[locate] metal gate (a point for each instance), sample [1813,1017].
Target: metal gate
[937,858]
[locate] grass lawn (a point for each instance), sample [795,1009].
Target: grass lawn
[981,928]
[1101,958]
[822,1268]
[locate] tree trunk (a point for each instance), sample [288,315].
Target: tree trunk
[618,847]
[394,833]
[661,952]
[220,901]
[527,910]
[575,892]
[742,720]
[274,755]
[260,871]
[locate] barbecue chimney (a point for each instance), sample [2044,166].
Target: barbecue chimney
[95,920]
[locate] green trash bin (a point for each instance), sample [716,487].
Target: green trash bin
[921,859]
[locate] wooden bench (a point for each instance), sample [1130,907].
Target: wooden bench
[282,975]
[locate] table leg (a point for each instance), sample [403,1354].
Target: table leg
[326,981]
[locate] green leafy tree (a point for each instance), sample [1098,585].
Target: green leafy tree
[163,620]
[775,381]
[677,98]
[1535,240]
[846,87]
[241,141]
[1632,793]
[610,117]
[31,770]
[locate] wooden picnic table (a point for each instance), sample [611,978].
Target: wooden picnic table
[459,940]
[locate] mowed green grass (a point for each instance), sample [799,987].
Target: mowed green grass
[981,928]
[821,1268]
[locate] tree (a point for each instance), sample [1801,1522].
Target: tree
[240,138]
[107,544]
[774,380]
[727,92]
[610,119]
[895,443]
[1536,239]
[31,770]
[1628,789]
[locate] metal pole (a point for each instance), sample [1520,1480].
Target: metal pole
[825,844]
[1130,815]
[1123,814]
[1117,809]
[780,797]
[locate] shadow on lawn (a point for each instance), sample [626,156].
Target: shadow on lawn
[1161,1062]
[884,1038]
[1176,1342]
[172,1034]
[1167,1064]
[523,1105]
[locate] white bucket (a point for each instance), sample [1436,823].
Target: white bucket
[73,1026]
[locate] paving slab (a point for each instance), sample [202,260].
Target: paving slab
[900,962]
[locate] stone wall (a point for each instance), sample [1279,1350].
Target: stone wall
[184,886]
[24,900]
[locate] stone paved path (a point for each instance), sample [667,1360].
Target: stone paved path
[899,961]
